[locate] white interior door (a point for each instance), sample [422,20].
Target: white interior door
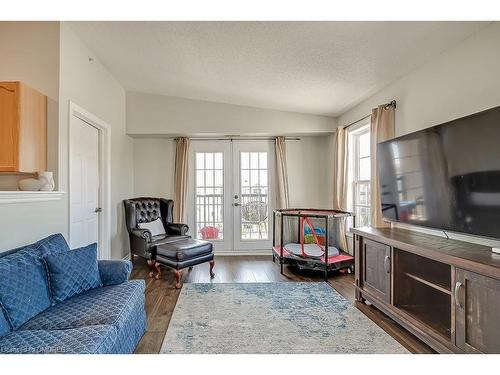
[253,194]
[231,194]
[84,183]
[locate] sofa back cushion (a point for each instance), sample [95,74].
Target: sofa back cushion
[24,289]
[73,272]
[54,243]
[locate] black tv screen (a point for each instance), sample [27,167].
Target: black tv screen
[445,177]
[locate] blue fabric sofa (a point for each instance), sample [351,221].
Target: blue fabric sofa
[108,319]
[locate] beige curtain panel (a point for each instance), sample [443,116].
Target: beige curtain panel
[340,183]
[181,178]
[381,129]
[282,197]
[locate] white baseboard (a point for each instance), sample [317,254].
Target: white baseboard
[230,253]
[243,252]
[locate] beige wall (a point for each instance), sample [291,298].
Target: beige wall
[309,172]
[461,81]
[149,114]
[89,85]
[30,53]
[308,169]
[154,167]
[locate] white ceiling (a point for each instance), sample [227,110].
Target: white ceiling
[310,67]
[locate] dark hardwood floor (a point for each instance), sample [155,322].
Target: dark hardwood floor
[161,295]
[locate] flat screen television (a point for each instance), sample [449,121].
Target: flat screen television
[445,177]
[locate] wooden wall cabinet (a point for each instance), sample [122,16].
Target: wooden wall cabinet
[23,128]
[446,292]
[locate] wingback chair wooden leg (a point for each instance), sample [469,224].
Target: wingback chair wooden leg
[212,264]
[178,276]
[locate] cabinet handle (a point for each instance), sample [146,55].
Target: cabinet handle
[387,264]
[458,285]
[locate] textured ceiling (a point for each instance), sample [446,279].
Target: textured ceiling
[310,67]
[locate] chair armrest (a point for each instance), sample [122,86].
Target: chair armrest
[144,234]
[114,272]
[177,229]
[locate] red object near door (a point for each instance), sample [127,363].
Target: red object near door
[209,233]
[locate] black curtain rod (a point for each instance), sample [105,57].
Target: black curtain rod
[241,138]
[392,104]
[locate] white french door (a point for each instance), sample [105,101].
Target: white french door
[231,194]
[253,199]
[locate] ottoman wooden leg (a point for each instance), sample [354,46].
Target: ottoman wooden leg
[151,265]
[212,264]
[191,268]
[178,276]
[158,271]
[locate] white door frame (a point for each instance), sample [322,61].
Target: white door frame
[230,173]
[104,130]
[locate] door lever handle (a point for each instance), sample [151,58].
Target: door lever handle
[98,209]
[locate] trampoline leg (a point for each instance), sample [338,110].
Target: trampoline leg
[326,274]
[281,265]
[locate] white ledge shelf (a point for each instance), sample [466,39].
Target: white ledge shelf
[9,197]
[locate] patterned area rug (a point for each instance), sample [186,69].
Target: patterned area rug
[284,317]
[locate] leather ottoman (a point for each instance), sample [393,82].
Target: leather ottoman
[181,254]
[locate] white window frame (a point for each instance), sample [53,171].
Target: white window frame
[354,134]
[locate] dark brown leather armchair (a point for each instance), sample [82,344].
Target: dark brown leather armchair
[145,210]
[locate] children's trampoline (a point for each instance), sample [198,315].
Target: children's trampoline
[311,239]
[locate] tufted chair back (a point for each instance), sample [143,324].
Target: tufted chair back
[145,210]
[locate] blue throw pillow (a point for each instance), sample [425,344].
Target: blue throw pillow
[55,243]
[24,290]
[73,272]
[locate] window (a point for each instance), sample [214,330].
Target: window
[360,173]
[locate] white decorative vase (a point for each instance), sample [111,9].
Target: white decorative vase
[29,184]
[46,181]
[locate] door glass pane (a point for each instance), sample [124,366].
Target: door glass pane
[209,200]
[254,197]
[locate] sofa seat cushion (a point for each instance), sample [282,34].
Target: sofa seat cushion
[97,339]
[163,239]
[109,305]
[73,272]
[185,249]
